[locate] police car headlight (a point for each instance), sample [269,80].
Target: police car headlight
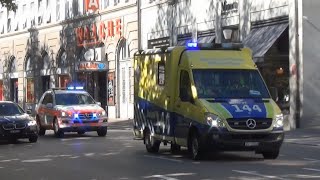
[32,123]
[214,120]
[279,121]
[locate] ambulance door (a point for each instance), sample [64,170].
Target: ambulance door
[184,107]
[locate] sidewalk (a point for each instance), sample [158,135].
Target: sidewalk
[120,124]
[304,136]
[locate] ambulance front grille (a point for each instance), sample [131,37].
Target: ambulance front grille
[241,123]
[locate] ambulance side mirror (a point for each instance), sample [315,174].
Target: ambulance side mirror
[274,93]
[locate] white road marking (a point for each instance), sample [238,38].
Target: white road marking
[307,176]
[65,155]
[108,154]
[257,174]
[311,159]
[163,158]
[1,167]
[160,177]
[311,169]
[8,160]
[169,176]
[36,160]
[89,154]
[74,157]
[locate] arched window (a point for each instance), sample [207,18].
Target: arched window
[45,60]
[28,65]
[62,58]
[12,64]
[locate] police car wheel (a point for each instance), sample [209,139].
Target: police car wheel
[41,130]
[175,148]
[152,145]
[57,132]
[102,132]
[271,154]
[194,147]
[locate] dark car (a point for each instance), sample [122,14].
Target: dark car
[15,123]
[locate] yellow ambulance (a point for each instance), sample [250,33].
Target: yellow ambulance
[206,97]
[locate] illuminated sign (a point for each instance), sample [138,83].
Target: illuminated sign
[93,66]
[93,34]
[91,5]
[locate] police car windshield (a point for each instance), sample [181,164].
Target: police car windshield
[73,99]
[213,83]
[10,109]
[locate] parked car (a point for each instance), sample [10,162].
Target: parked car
[70,109]
[15,123]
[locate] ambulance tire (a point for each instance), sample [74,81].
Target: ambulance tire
[152,145]
[57,132]
[175,149]
[271,154]
[102,132]
[194,146]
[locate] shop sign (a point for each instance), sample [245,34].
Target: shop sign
[93,66]
[229,7]
[110,89]
[93,34]
[91,5]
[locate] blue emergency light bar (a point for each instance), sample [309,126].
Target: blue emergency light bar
[213,46]
[75,87]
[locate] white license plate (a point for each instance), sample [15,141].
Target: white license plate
[14,131]
[249,144]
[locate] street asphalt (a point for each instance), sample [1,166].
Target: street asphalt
[118,156]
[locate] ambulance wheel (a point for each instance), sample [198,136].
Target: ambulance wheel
[102,132]
[271,154]
[194,146]
[175,148]
[152,145]
[57,132]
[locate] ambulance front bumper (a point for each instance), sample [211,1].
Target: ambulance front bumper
[231,141]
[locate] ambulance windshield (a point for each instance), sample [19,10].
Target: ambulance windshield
[213,83]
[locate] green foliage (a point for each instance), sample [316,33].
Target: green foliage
[9,4]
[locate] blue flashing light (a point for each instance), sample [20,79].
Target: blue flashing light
[192,45]
[79,87]
[94,115]
[75,88]
[76,116]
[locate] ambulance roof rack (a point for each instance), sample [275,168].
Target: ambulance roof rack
[214,46]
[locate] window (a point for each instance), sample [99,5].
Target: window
[106,3]
[116,2]
[30,90]
[185,86]
[9,25]
[32,18]
[47,99]
[161,73]
[24,14]
[58,10]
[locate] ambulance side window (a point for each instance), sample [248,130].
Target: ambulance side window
[185,86]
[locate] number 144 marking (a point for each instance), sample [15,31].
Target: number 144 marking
[246,107]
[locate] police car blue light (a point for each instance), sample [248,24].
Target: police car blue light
[192,45]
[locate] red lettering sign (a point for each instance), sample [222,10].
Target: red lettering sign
[92,35]
[91,5]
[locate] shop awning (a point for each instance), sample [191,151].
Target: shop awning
[206,39]
[261,39]
[183,42]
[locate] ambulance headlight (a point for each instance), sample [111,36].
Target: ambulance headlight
[279,121]
[32,123]
[102,113]
[214,120]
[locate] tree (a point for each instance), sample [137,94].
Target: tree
[9,4]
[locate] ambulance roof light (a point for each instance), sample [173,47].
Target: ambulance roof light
[192,45]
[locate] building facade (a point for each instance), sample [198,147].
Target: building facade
[268,27]
[53,43]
